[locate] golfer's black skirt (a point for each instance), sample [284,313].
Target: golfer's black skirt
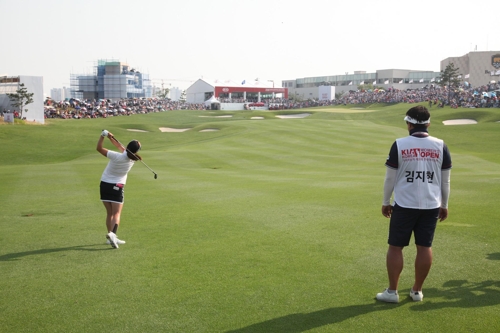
[112,192]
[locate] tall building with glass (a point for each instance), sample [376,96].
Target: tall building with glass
[113,80]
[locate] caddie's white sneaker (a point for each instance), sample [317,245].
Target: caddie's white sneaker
[112,239]
[118,241]
[416,295]
[389,298]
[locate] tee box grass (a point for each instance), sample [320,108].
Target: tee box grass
[263,225]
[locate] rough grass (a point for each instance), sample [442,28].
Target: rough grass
[269,225]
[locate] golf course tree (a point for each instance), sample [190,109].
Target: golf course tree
[367,87]
[21,98]
[183,96]
[296,97]
[450,77]
[163,92]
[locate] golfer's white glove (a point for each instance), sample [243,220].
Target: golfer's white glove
[104,133]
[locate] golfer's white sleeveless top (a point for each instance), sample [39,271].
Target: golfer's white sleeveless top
[418,181]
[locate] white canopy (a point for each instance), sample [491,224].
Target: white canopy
[211,100]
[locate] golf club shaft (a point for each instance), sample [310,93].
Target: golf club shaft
[114,138]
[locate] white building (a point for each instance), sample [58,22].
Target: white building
[56,94]
[34,84]
[65,93]
[175,94]
[233,91]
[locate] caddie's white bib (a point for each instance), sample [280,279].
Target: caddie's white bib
[418,181]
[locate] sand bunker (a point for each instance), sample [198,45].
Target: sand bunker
[287,116]
[460,122]
[257,118]
[135,130]
[210,130]
[168,129]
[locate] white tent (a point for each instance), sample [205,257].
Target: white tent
[211,100]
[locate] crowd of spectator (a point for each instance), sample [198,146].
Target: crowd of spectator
[103,108]
[434,95]
[465,96]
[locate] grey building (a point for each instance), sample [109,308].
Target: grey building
[305,88]
[476,68]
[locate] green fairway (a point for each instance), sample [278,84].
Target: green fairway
[264,225]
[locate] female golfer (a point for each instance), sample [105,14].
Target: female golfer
[113,180]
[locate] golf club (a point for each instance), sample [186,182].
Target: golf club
[124,147]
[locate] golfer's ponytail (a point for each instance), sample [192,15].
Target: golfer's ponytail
[133,156]
[132,148]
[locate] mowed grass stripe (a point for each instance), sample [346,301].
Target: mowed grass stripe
[263,226]
[280,146]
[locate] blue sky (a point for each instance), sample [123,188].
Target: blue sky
[178,42]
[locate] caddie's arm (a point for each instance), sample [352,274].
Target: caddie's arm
[390,180]
[445,194]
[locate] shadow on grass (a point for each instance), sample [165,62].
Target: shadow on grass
[456,293]
[301,322]
[494,256]
[462,294]
[18,255]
